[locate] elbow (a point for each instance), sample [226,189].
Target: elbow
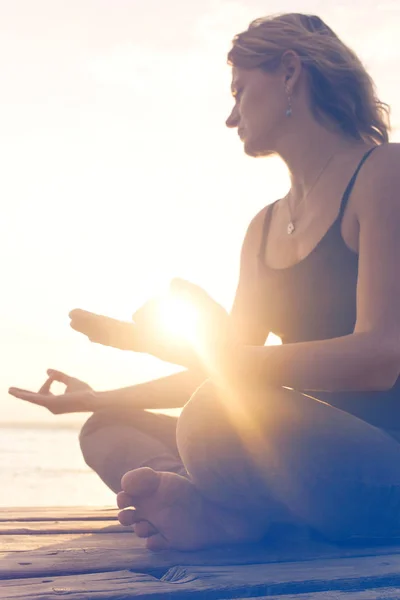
[387,373]
[382,386]
[380,369]
[390,382]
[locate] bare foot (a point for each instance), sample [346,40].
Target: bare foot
[171,513]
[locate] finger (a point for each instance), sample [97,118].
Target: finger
[28,396]
[45,389]
[148,310]
[85,326]
[80,327]
[78,313]
[14,391]
[84,317]
[59,376]
[92,325]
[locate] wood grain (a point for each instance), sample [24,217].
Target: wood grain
[83,552]
[61,527]
[308,577]
[52,513]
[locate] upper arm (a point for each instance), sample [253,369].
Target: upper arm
[378,287]
[248,319]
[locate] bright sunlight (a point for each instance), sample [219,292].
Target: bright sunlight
[179,318]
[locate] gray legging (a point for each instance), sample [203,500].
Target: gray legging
[277,450]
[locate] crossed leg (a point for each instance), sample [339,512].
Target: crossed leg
[255,458]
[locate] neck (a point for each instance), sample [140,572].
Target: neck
[305,149]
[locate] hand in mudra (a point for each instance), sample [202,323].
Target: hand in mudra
[78,396]
[148,333]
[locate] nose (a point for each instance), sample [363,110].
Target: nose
[233,119]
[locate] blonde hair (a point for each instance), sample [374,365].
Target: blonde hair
[340,87]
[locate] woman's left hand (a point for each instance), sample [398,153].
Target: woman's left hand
[195,343]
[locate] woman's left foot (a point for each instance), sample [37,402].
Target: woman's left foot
[171,513]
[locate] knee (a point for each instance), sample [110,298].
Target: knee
[256,429]
[108,448]
[88,440]
[214,416]
[199,416]
[218,427]
[99,436]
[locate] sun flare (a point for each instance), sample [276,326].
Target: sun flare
[179,318]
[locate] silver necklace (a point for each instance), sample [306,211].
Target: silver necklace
[291,226]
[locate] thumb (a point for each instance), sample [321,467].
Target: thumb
[182,287]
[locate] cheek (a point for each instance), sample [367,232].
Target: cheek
[255,116]
[266,112]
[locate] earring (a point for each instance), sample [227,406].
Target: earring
[289,108]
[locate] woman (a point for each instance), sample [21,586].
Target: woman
[304,432]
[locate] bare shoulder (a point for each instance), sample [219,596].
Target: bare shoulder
[379,189]
[385,159]
[254,230]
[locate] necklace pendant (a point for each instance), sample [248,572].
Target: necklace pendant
[290,228]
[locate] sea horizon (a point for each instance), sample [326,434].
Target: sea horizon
[34,474]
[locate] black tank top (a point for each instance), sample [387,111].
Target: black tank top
[315,300]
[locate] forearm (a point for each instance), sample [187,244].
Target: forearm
[172,391]
[350,363]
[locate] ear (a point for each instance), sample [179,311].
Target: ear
[291,67]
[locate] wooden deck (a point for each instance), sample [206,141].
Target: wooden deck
[83,553]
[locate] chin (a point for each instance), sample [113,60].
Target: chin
[253,149]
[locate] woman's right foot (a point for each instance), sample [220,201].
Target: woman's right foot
[171,513]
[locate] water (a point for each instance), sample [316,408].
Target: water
[42,466]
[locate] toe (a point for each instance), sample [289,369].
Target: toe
[157,542]
[144,529]
[140,482]
[124,500]
[129,516]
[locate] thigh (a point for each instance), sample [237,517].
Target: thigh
[344,471]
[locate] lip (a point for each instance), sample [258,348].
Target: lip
[240,133]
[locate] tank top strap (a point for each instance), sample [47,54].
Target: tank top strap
[349,188]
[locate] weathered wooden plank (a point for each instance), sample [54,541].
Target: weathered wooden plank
[63,559]
[371,594]
[309,577]
[61,527]
[114,552]
[106,541]
[58,513]
[355,573]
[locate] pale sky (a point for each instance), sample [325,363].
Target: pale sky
[117,170]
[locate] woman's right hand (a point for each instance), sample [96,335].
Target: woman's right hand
[104,330]
[78,395]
